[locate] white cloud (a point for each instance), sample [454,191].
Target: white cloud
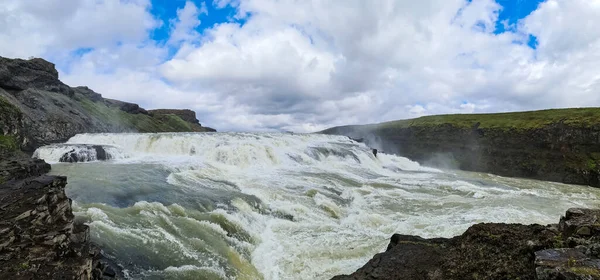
[183,28]
[50,27]
[306,65]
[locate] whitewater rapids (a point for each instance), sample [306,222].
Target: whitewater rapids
[278,206]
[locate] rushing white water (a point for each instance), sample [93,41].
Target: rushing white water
[279,206]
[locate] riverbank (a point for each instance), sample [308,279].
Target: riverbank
[567,250]
[39,235]
[560,145]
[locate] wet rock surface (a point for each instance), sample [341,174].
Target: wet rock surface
[569,250]
[85,153]
[38,236]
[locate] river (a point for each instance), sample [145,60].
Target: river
[278,205]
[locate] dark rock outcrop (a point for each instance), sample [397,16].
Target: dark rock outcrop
[38,236]
[19,74]
[569,250]
[127,107]
[553,145]
[85,153]
[37,109]
[185,114]
[87,92]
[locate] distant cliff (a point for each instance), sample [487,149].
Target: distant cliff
[561,145]
[36,109]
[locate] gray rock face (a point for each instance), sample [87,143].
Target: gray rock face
[19,74]
[496,251]
[556,151]
[131,108]
[38,236]
[186,115]
[37,109]
[85,91]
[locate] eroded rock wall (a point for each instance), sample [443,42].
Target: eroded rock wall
[556,152]
[38,236]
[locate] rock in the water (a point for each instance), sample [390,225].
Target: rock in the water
[85,153]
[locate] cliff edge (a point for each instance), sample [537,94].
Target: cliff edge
[39,236]
[36,109]
[561,145]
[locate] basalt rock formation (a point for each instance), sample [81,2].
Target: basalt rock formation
[569,250]
[37,109]
[39,238]
[561,145]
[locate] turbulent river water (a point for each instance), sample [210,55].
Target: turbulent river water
[278,206]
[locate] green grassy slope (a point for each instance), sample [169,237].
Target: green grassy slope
[115,117]
[576,117]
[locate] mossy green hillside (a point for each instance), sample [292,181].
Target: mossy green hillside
[577,117]
[133,122]
[556,145]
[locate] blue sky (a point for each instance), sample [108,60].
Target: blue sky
[167,10]
[293,65]
[512,11]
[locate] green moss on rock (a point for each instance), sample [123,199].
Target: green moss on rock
[579,117]
[8,143]
[134,122]
[585,271]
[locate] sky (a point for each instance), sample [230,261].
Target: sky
[305,65]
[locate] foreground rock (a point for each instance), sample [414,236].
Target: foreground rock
[569,250]
[38,236]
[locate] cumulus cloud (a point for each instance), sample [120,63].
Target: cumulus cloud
[50,27]
[307,65]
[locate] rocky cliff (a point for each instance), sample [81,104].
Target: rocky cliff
[36,109]
[39,238]
[187,115]
[569,250]
[561,145]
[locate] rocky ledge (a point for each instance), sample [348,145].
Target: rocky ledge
[39,238]
[569,250]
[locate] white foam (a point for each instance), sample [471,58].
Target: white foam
[326,203]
